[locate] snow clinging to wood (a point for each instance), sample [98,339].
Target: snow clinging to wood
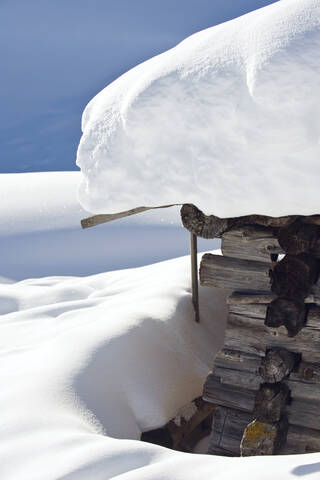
[229,120]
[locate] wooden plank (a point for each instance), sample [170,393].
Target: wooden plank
[306,373]
[251,335]
[194,276]
[304,414]
[256,298]
[110,217]
[237,360]
[301,440]
[237,378]
[226,395]
[211,226]
[227,429]
[250,243]
[304,391]
[252,310]
[304,383]
[234,273]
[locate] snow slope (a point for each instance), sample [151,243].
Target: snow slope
[89,363]
[227,120]
[40,231]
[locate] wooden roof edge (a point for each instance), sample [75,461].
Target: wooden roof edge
[211,226]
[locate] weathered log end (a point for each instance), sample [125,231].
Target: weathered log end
[277,365]
[299,238]
[290,313]
[294,276]
[200,224]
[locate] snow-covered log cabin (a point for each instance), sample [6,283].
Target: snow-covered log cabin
[266,379]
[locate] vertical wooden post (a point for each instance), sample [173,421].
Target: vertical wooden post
[194,275]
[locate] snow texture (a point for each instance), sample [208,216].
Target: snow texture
[88,363]
[229,120]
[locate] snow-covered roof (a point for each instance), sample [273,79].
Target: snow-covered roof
[229,120]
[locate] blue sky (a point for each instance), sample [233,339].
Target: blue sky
[57,54]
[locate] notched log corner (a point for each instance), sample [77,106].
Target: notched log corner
[300,238]
[290,313]
[277,365]
[294,276]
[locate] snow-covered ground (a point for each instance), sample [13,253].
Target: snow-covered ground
[87,363]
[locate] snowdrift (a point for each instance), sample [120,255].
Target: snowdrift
[227,120]
[88,363]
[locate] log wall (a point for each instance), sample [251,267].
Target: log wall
[266,379]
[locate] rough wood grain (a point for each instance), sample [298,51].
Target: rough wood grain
[304,391]
[238,378]
[304,383]
[211,226]
[205,226]
[228,426]
[250,243]
[233,273]
[234,397]
[306,373]
[237,360]
[301,440]
[304,413]
[252,336]
[241,300]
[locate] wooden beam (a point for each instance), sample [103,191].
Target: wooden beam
[109,217]
[250,243]
[211,226]
[194,276]
[228,396]
[301,440]
[234,273]
[251,335]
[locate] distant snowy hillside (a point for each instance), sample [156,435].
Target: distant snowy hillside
[228,120]
[40,232]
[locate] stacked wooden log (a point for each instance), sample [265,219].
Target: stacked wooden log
[266,379]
